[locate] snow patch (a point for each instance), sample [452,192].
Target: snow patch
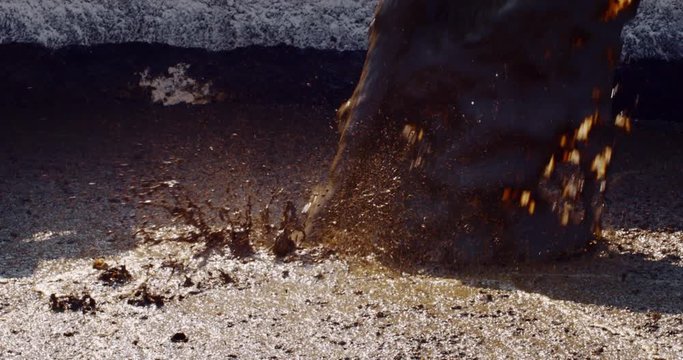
[657,31]
[176,87]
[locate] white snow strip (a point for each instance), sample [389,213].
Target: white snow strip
[224,25]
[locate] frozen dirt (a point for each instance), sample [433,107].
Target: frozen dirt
[77,174]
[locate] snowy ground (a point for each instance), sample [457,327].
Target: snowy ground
[68,199]
[79,164]
[223,25]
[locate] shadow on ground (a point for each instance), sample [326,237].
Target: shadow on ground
[622,281]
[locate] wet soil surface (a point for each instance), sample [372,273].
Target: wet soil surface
[119,221]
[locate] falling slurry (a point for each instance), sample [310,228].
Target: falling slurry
[479,131]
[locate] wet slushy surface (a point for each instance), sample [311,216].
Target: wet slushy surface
[87,180]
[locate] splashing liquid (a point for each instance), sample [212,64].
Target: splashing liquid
[479,131]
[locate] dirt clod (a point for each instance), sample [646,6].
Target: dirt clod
[143,297]
[115,276]
[85,303]
[179,337]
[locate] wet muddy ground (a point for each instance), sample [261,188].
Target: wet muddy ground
[92,265]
